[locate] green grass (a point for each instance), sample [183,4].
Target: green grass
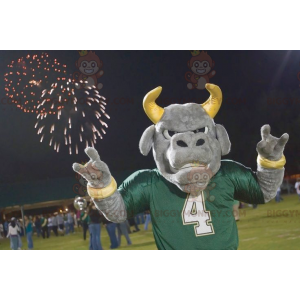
[257,230]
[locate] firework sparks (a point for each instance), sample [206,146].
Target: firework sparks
[71,118]
[26,78]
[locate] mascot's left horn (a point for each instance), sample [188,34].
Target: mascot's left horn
[213,103]
[152,110]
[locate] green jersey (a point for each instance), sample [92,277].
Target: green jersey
[181,221]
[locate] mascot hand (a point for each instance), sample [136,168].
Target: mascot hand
[96,172]
[270,147]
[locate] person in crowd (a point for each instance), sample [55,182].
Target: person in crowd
[94,227]
[133,223]
[33,226]
[5,228]
[21,232]
[111,230]
[147,219]
[28,228]
[122,229]
[54,224]
[78,217]
[66,224]
[60,222]
[139,219]
[49,225]
[44,223]
[13,234]
[38,226]
[20,223]
[70,219]
[128,227]
[1,231]
[84,221]
[297,187]
[75,220]
[278,197]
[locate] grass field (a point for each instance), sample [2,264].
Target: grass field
[271,226]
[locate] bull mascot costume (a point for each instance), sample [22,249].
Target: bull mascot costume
[191,193]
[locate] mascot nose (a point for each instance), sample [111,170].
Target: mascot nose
[183,144]
[200,142]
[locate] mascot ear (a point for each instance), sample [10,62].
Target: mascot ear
[223,139]
[146,140]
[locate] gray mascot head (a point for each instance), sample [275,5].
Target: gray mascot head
[187,144]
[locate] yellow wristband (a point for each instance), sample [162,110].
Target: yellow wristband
[103,193]
[271,164]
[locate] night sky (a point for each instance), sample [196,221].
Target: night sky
[251,81]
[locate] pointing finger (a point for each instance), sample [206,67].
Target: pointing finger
[77,167]
[283,140]
[265,131]
[82,170]
[92,153]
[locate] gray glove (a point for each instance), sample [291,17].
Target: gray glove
[96,172]
[271,147]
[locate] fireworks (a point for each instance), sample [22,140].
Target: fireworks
[69,117]
[28,76]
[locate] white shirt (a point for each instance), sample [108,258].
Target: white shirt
[297,187]
[13,230]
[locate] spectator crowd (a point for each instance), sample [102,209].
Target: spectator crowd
[61,223]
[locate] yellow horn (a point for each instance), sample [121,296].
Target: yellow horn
[213,104]
[152,110]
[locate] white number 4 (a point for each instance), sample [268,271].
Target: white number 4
[194,212]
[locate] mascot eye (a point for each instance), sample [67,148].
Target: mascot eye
[196,65]
[203,129]
[168,134]
[84,65]
[93,65]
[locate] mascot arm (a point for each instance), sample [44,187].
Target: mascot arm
[244,182]
[131,198]
[102,187]
[116,205]
[270,162]
[112,207]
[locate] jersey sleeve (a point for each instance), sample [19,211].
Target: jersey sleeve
[135,191]
[246,186]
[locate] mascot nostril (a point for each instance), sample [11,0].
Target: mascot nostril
[181,144]
[200,142]
[187,175]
